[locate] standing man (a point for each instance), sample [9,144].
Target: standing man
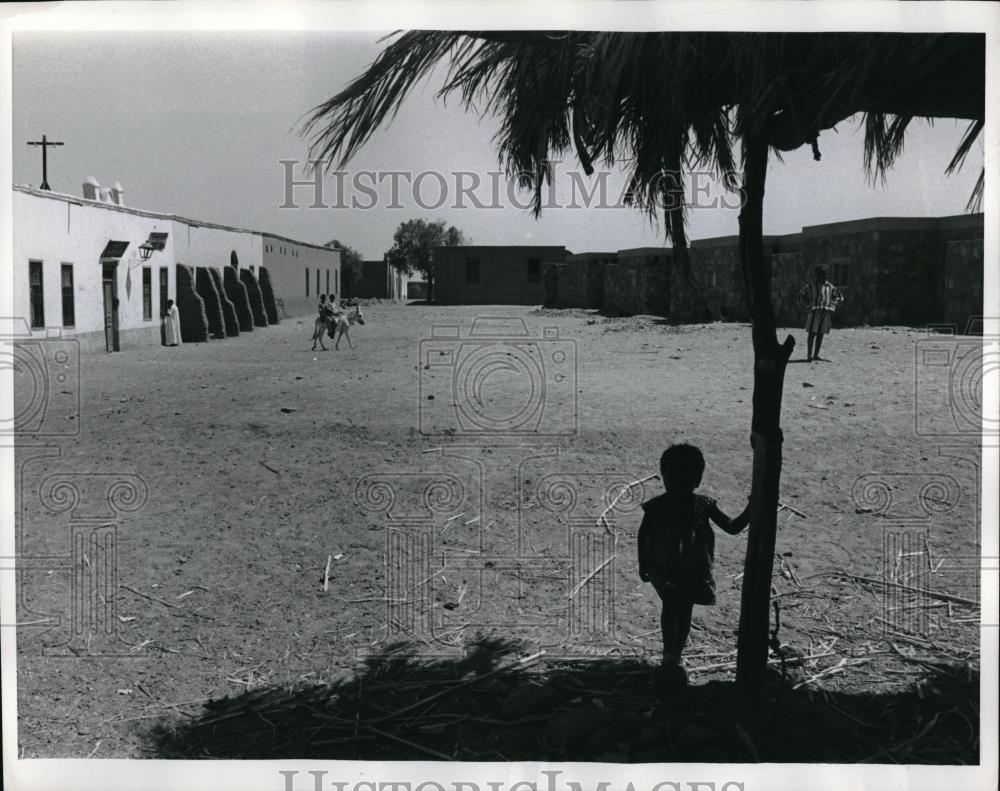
[172,325]
[821,299]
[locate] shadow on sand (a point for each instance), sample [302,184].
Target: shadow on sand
[487,705]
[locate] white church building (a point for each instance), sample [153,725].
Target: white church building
[101,272]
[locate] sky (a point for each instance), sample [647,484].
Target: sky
[198,123]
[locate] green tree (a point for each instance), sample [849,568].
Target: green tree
[413,246]
[351,263]
[666,103]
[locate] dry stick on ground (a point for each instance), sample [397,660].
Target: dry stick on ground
[268,467]
[626,487]
[408,743]
[519,664]
[326,574]
[589,577]
[791,661]
[927,729]
[147,596]
[900,585]
[782,505]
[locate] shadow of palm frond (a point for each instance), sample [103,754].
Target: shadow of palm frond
[490,705]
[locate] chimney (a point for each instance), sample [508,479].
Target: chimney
[105,194]
[117,194]
[90,189]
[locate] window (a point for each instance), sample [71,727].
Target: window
[534,270]
[840,274]
[471,270]
[307,282]
[327,281]
[68,313]
[164,289]
[147,293]
[317,281]
[37,295]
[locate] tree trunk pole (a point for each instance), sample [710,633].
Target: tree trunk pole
[770,360]
[681,308]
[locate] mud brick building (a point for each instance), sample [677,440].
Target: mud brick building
[378,280]
[492,275]
[892,270]
[100,272]
[577,283]
[638,281]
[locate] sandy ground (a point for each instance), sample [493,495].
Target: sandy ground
[259,456]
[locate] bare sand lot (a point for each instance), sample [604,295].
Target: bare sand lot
[313,545]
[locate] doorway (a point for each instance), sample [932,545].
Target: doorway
[110,290]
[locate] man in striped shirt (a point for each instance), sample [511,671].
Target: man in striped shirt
[821,298]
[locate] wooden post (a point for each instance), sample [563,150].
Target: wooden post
[770,361]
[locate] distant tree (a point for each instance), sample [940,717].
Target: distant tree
[413,247]
[351,262]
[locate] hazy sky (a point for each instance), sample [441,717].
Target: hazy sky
[196,124]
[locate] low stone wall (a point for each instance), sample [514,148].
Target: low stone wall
[194,322]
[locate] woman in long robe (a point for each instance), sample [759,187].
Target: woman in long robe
[172,325]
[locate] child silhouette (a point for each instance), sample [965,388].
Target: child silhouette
[677,548]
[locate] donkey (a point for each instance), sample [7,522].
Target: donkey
[337,326]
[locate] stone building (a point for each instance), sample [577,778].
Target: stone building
[892,270]
[101,272]
[378,280]
[492,275]
[577,283]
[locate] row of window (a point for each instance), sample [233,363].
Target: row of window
[533,272]
[269,248]
[332,293]
[36,282]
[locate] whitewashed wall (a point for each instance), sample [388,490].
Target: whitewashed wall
[56,231]
[287,263]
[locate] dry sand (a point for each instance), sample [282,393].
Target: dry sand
[221,572]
